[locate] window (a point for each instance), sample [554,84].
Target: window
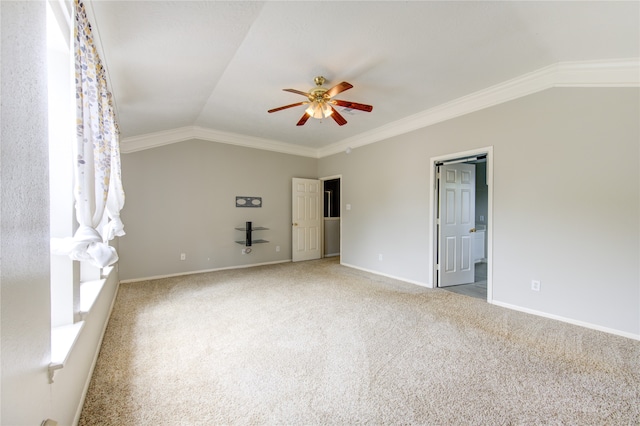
[75,285]
[65,274]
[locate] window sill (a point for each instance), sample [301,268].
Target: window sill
[89,292]
[63,338]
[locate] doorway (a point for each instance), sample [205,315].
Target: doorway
[332,228]
[316,218]
[462,225]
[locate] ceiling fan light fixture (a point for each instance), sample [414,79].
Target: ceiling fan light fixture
[319,110]
[321,102]
[314,110]
[326,110]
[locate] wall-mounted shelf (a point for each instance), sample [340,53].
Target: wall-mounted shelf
[248,230]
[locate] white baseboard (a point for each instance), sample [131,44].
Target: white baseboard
[406,280]
[568,320]
[157,277]
[518,308]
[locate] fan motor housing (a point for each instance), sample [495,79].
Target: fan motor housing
[317,94]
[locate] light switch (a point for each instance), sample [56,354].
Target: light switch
[347,206]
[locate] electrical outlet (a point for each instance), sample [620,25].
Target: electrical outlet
[380,257]
[183,256]
[277,248]
[535,285]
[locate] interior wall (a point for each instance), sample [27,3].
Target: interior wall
[181,199]
[24,272]
[566,199]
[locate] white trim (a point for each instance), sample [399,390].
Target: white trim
[602,73]
[63,339]
[166,137]
[180,274]
[488,151]
[610,73]
[393,277]
[62,12]
[605,73]
[568,320]
[332,177]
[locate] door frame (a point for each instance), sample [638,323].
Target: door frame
[433,207]
[322,179]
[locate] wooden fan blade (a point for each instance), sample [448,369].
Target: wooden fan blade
[299,92]
[337,117]
[352,105]
[304,119]
[338,88]
[287,106]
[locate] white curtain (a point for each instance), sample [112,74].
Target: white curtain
[98,191]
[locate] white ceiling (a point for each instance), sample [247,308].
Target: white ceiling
[221,65]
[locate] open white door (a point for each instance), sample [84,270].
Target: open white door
[306,218]
[457,224]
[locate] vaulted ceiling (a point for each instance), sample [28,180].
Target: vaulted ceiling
[219,66]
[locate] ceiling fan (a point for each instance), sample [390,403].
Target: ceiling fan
[321,102]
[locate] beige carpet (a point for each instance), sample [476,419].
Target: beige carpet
[317,343]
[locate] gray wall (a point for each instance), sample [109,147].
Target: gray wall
[566,203]
[181,199]
[565,207]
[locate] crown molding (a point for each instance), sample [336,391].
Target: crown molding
[606,73]
[152,140]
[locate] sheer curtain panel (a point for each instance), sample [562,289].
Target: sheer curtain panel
[98,191]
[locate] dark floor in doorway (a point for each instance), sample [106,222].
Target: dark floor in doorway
[478,288]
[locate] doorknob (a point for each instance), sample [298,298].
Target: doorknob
[295,224]
[472,230]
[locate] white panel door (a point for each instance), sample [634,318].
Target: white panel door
[457,224]
[306,219]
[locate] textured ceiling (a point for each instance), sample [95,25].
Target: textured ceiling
[222,65]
